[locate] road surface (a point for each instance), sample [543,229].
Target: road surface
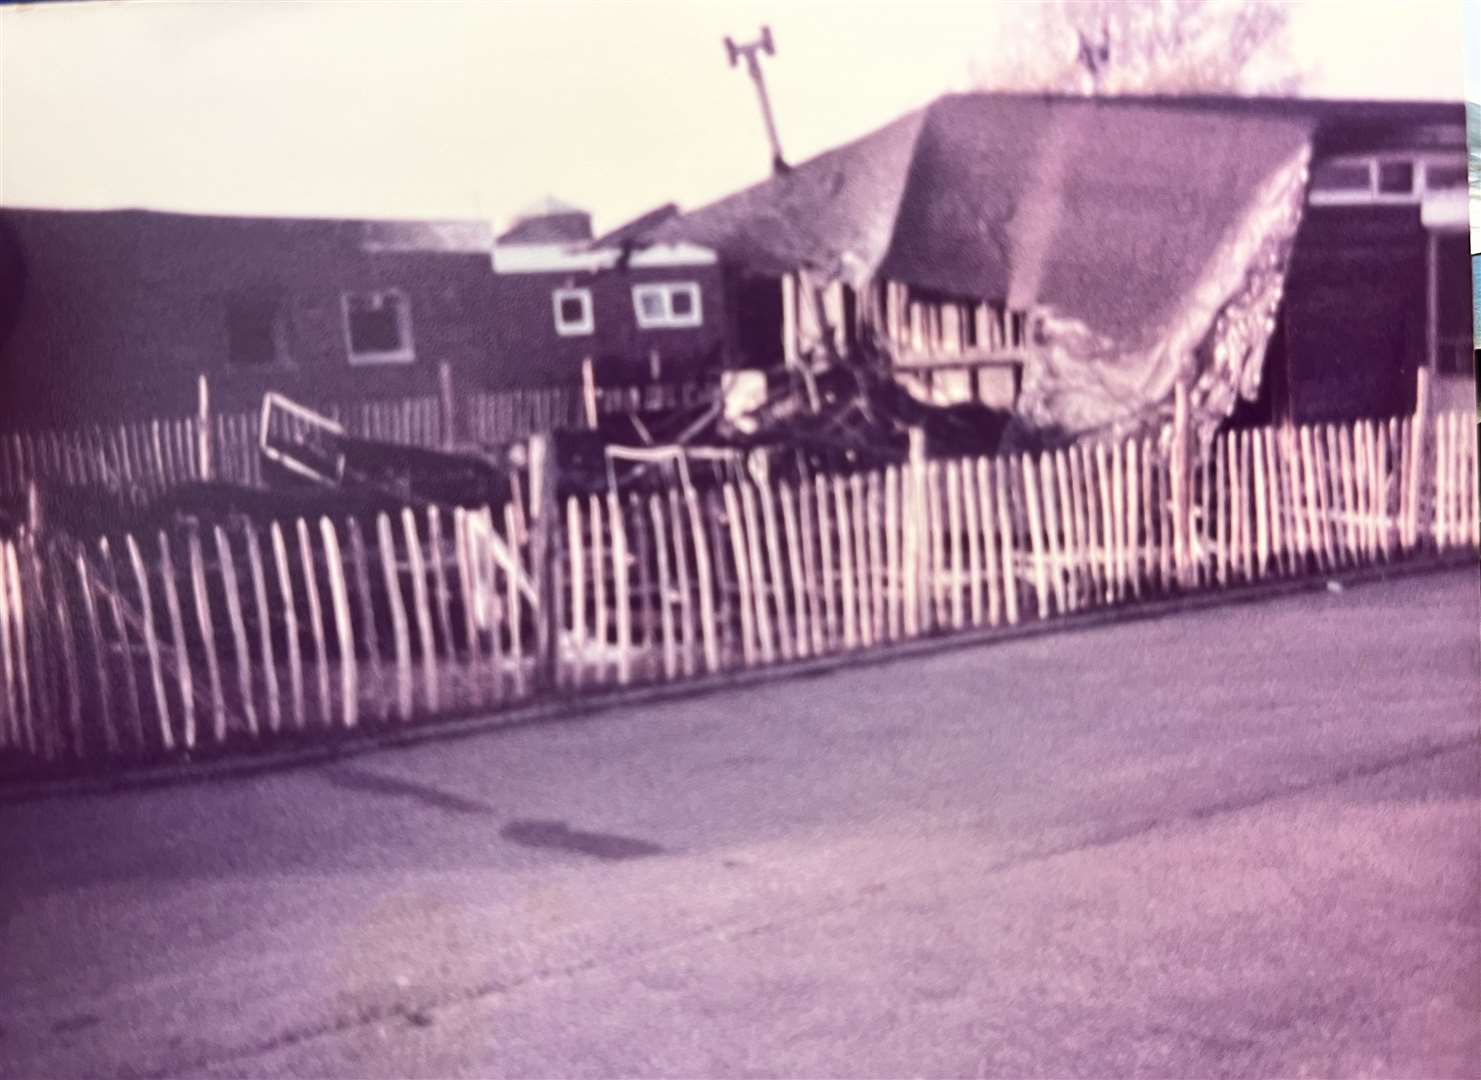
[1231,843]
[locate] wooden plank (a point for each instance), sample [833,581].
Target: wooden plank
[442,596]
[665,588]
[1246,495]
[400,631]
[1133,514]
[316,621]
[702,571]
[1035,534]
[972,525]
[1327,496]
[858,527]
[96,646]
[992,564]
[71,680]
[1068,529]
[365,606]
[1054,549]
[1087,583]
[1166,536]
[21,667]
[114,596]
[874,543]
[956,572]
[893,584]
[824,498]
[290,625]
[759,585]
[242,653]
[1107,524]
[687,635]
[422,609]
[624,599]
[803,639]
[740,559]
[912,511]
[777,572]
[1119,558]
[576,555]
[807,527]
[468,601]
[264,628]
[8,665]
[642,562]
[207,628]
[1006,548]
[45,670]
[151,643]
[937,613]
[1223,502]
[1373,504]
[339,601]
[1314,501]
[1344,492]
[599,584]
[847,608]
[1258,477]
[185,678]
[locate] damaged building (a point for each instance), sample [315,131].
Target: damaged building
[1075,259]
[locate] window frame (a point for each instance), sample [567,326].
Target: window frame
[406,354]
[582,327]
[1421,162]
[668,320]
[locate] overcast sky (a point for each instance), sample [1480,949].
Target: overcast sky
[386,108]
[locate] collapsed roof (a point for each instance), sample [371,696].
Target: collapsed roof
[1150,234]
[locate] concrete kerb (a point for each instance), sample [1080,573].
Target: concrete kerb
[571,709]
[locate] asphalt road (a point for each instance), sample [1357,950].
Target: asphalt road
[1233,843]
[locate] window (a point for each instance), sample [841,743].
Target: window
[667,306]
[1440,176]
[572,311]
[256,331]
[1356,176]
[1396,177]
[378,327]
[1385,178]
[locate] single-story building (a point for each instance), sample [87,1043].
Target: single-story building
[1284,258]
[112,315]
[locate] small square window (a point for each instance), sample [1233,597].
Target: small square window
[1342,176]
[1396,177]
[1440,177]
[651,306]
[572,312]
[378,327]
[667,306]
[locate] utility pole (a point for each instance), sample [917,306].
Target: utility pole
[749,50]
[1095,56]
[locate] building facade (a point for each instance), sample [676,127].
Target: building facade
[113,315]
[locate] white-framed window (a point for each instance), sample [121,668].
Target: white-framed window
[572,311]
[1384,178]
[378,327]
[667,305]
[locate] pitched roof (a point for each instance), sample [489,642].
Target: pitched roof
[1105,207]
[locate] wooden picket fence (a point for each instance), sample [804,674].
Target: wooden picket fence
[137,648]
[153,456]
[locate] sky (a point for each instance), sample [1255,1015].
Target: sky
[455,108]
